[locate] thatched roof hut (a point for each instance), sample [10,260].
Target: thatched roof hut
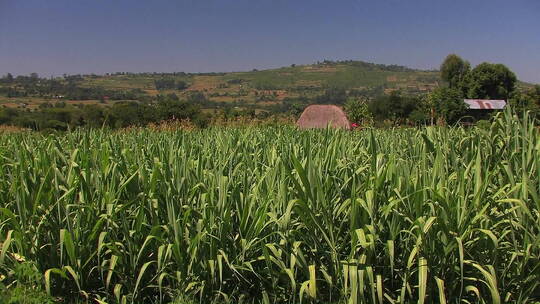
[321,116]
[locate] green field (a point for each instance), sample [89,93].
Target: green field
[276,215]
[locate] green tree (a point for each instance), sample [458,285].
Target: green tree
[491,81]
[93,116]
[454,70]
[181,85]
[9,78]
[422,114]
[448,104]
[526,101]
[358,111]
[395,107]
[332,95]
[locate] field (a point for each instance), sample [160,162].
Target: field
[276,215]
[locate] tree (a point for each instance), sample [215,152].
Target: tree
[454,70]
[9,78]
[448,104]
[130,113]
[196,97]
[332,95]
[181,85]
[165,84]
[491,81]
[93,116]
[358,112]
[528,101]
[422,114]
[419,117]
[394,107]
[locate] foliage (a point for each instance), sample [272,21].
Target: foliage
[454,71]
[62,117]
[396,107]
[419,117]
[358,112]
[526,101]
[197,97]
[490,81]
[448,104]
[68,87]
[170,84]
[237,215]
[24,286]
[483,124]
[332,95]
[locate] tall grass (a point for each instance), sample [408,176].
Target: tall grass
[445,215]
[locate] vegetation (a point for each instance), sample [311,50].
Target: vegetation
[528,101]
[68,87]
[394,95]
[25,287]
[170,84]
[448,103]
[61,116]
[358,112]
[454,70]
[485,81]
[395,108]
[447,215]
[491,81]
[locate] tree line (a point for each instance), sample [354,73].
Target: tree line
[446,104]
[170,84]
[68,87]
[62,116]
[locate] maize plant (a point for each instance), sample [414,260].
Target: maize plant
[277,215]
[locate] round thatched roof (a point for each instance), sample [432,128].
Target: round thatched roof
[321,116]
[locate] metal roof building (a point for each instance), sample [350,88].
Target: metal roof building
[485,104]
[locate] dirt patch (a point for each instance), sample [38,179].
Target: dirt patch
[4,129]
[320,69]
[390,90]
[392,78]
[223,98]
[201,83]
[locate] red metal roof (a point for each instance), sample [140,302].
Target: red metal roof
[485,104]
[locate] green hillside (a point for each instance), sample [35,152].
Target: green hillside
[293,81]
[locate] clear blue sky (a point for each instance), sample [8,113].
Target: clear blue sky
[52,37]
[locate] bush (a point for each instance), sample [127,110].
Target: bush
[25,286]
[483,124]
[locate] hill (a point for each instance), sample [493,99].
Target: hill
[278,84]
[273,90]
[255,88]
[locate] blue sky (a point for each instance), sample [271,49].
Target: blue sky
[97,36]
